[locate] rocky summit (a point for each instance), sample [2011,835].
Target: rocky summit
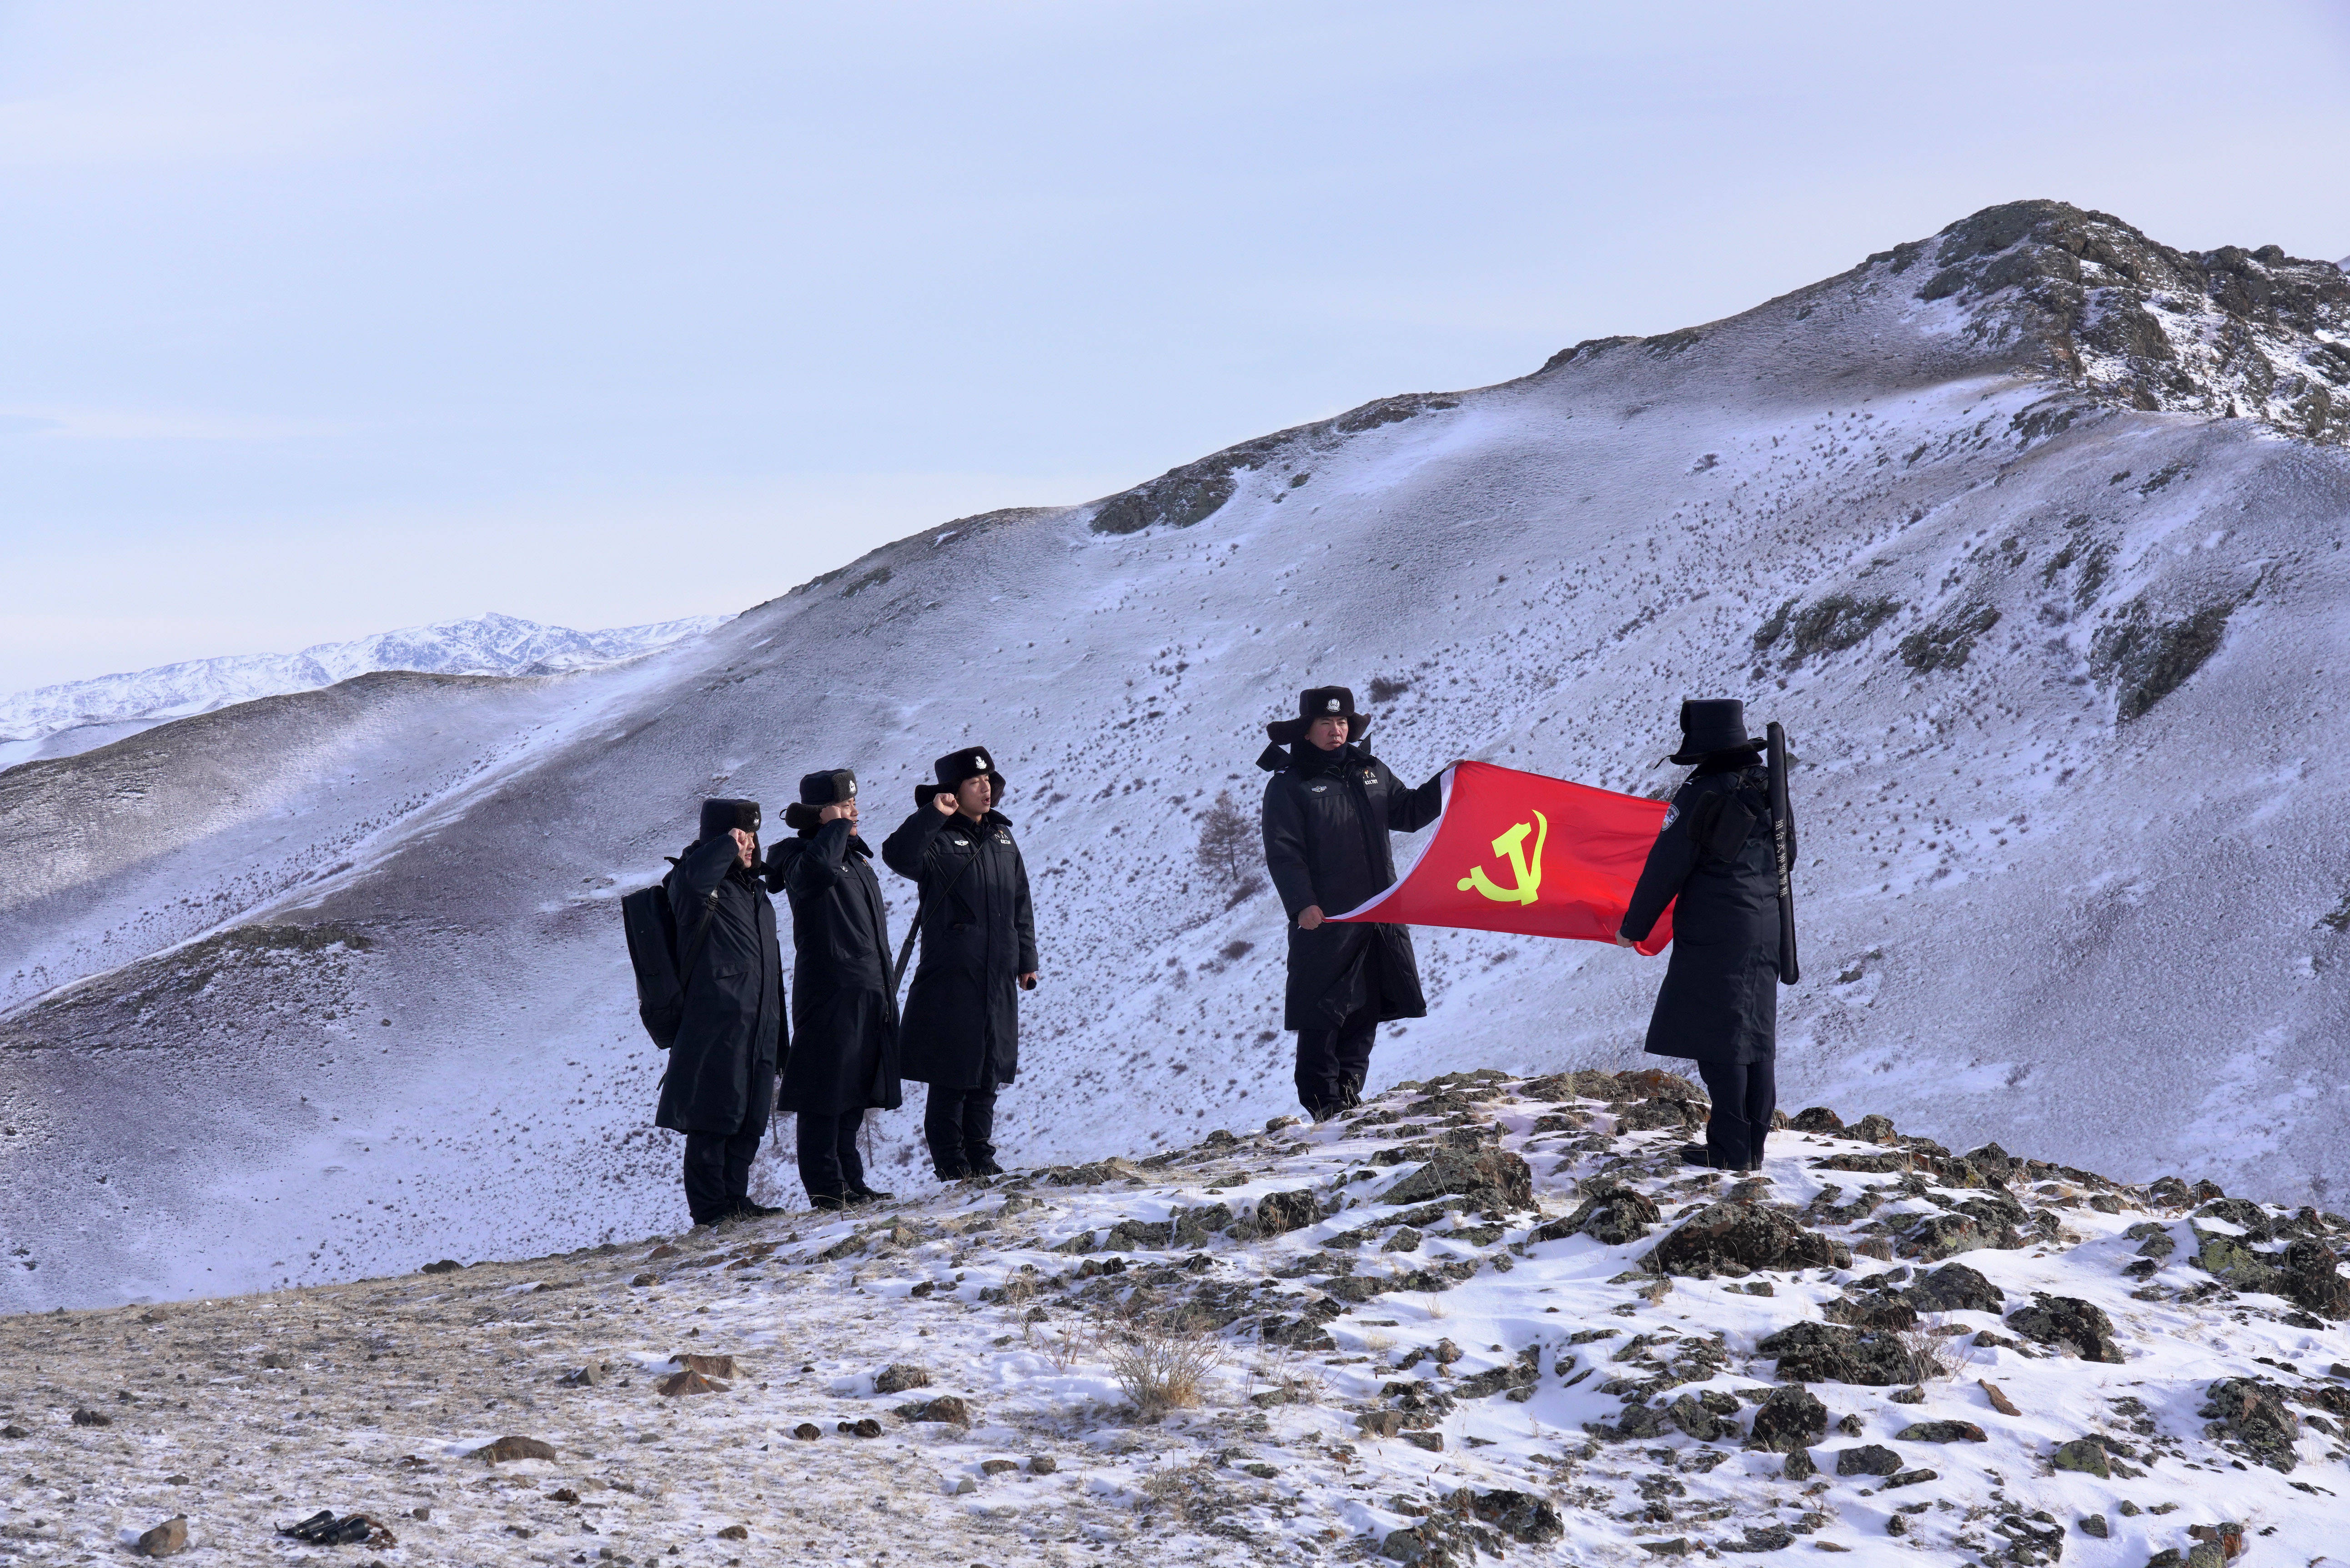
[1488,1318]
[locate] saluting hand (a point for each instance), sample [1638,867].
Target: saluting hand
[945,803]
[1309,917]
[745,846]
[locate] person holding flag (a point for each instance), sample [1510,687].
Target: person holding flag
[1328,809]
[1721,860]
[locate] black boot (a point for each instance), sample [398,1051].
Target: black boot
[985,1166]
[946,1172]
[860,1193]
[828,1202]
[747,1209]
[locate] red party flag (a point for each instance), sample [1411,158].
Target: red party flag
[1519,852]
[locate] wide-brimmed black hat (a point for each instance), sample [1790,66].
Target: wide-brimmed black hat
[1711,726]
[1319,703]
[719,815]
[969,763]
[834,786]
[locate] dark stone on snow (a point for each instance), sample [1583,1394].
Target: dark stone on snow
[1693,1417]
[898,1376]
[2084,1455]
[2068,1322]
[946,1408]
[2257,1223]
[1872,1128]
[2251,1412]
[1730,1236]
[2313,1281]
[1868,1310]
[1954,1287]
[1788,1419]
[1884,1164]
[1762,1538]
[1816,1119]
[1192,1226]
[1521,1516]
[1517,1379]
[1937,1236]
[1940,1432]
[1611,1218]
[1492,1179]
[1868,1459]
[1828,1353]
[1277,1212]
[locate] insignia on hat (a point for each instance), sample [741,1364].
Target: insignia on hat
[1330,706]
[980,760]
[852,788]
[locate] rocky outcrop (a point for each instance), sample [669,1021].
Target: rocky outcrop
[2251,334]
[1738,1238]
[2068,1323]
[1830,1352]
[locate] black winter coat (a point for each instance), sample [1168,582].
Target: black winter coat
[844,1008]
[1327,816]
[1720,1001]
[722,1071]
[979,937]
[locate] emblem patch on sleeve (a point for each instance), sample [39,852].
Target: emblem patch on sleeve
[1673,815]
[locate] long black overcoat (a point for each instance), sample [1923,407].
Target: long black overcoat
[1720,1001]
[1327,816]
[962,1027]
[844,1008]
[722,1071]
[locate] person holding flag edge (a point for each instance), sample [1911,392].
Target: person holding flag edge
[1328,810]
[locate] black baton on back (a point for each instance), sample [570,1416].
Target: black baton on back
[1781,845]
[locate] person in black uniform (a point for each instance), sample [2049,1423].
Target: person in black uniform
[844,1059]
[961,1031]
[721,1079]
[1720,1001]
[1328,809]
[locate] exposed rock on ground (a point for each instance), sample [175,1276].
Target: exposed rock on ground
[1452,1343]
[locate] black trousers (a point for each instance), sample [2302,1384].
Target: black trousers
[959,1126]
[1332,1062]
[718,1171]
[1743,1099]
[829,1163]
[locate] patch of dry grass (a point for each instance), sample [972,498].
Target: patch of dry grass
[1162,1364]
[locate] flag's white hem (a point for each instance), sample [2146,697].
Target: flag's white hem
[1403,873]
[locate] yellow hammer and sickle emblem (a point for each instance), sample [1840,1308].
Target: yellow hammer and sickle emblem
[1511,846]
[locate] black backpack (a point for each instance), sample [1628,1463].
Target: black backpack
[661,978]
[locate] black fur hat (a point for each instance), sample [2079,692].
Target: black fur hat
[719,815]
[1711,726]
[1319,703]
[969,763]
[835,786]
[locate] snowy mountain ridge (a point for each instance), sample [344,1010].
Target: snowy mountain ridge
[1482,1319]
[2047,626]
[113,706]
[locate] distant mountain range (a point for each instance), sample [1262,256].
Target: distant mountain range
[61,721]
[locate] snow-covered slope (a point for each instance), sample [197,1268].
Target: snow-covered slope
[63,720]
[1485,1322]
[2030,534]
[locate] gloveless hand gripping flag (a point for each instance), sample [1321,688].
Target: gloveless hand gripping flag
[1519,852]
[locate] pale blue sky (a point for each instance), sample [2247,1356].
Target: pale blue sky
[328,319]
